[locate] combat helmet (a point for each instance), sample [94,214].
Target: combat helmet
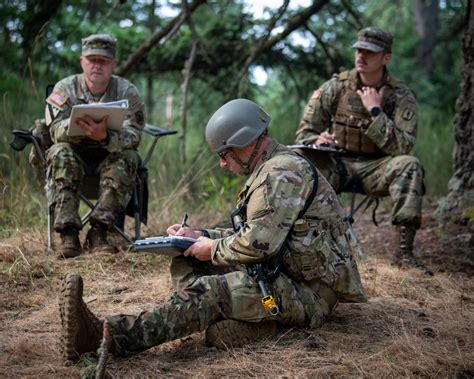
[236,124]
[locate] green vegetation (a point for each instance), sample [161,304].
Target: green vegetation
[38,50]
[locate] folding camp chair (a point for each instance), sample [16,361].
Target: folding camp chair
[138,205]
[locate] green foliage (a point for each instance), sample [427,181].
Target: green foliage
[226,33]
[434,148]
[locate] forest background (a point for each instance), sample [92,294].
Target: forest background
[188,58]
[186,67]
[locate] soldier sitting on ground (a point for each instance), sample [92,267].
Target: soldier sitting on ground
[111,154]
[372,116]
[289,246]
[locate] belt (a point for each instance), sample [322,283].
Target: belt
[328,295]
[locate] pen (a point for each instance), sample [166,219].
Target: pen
[185,219]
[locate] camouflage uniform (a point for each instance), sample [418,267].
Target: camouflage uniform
[377,148]
[70,158]
[318,267]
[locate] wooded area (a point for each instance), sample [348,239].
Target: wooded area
[195,55]
[187,58]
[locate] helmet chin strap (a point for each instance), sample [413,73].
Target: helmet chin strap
[246,165]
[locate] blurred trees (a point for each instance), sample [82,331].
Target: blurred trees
[299,47]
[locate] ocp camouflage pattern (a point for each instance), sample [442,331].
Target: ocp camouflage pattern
[274,195]
[392,173]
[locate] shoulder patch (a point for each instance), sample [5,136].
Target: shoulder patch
[343,75]
[316,94]
[408,114]
[57,100]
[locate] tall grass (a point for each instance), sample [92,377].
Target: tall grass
[434,147]
[198,185]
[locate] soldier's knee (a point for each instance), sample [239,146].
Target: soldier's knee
[408,163]
[60,150]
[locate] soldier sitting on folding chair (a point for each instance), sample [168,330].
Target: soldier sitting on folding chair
[372,116]
[111,154]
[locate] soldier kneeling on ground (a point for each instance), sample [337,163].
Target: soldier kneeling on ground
[287,261]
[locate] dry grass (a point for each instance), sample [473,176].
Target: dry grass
[413,325]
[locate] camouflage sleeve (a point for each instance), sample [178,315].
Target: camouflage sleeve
[397,136]
[219,233]
[61,113]
[318,113]
[129,136]
[273,206]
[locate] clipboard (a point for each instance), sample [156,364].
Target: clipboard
[116,110]
[170,246]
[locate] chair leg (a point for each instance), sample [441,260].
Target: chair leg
[137,213]
[50,226]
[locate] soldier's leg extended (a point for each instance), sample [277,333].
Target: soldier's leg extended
[117,177]
[233,296]
[64,176]
[401,177]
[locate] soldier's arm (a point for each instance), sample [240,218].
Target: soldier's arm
[318,113]
[273,207]
[129,136]
[58,112]
[396,136]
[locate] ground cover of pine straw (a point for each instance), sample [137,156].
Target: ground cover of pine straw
[413,325]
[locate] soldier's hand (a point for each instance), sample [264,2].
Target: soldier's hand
[178,230]
[371,97]
[96,131]
[200,250]
[326,138]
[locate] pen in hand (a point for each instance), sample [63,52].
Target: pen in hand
[185,219]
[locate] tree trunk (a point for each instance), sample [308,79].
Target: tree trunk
[459,203]
[426,26]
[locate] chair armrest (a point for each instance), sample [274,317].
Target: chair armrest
[22,138]
[155,131]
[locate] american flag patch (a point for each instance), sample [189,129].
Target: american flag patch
[57,99]
[316,94]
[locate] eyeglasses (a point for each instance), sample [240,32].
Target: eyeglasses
[223,154]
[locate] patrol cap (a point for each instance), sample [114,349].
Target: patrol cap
[374,39]
[236,124]
[99,44]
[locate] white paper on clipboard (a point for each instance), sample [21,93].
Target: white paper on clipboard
[116,110]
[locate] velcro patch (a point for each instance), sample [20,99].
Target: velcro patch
[316,94]
[408,114]
[57,100]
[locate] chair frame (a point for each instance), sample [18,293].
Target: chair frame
[25,137]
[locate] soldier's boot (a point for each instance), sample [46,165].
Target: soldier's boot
[96,239]
[81,330]
[70,245]
[231,333]
[404,253]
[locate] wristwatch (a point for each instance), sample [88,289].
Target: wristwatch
[375,111]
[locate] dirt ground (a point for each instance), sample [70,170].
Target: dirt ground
[413,325]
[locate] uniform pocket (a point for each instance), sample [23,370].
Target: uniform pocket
[308,255]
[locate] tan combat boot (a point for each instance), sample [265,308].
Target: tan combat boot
[404,253]
[231,333]
[81,331]
[96,239]
[70,245]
